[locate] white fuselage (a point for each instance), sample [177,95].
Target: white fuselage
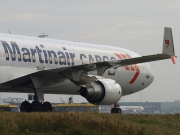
[132,108]
[22,56]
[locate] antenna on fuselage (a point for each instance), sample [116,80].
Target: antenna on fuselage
[43,35]
[9,32]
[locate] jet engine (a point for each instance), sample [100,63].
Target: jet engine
[102,91]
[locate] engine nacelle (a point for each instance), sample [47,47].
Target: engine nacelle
[103,91]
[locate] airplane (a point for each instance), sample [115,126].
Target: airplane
[62,100]
[132,108]
[124,109]
[116,107]
[101,74]
[70,100]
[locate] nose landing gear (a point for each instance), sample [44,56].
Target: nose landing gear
[116,109]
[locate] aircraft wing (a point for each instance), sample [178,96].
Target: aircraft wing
[142,59]
[75,73]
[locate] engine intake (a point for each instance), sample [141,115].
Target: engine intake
[102,91]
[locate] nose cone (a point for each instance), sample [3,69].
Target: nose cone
[149,76]
[152,75]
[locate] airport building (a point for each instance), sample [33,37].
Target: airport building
[156,107]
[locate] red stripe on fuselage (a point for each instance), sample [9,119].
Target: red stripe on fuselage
[135,76]
[118,55]
[135,68]
[121,57]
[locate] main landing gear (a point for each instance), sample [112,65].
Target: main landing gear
[116,109]
[36,105]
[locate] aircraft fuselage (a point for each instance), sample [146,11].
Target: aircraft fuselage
[22,56]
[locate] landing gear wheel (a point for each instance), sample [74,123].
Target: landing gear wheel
[25,107]
[118,110]
[36,106]
[113,110]
[47,107]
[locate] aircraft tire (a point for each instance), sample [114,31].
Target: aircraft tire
[25,106]
[113,110]
[118,110]
[47,107]
[36,106]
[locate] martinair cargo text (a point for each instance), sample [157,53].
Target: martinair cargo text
[101,74]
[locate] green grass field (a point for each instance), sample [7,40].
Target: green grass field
[88,124]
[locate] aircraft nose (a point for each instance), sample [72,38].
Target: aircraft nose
[149,75]
[152,75]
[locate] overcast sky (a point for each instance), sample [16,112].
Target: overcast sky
[136,25]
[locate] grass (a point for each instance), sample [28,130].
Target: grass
[88,124]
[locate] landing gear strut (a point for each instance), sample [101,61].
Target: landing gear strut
[116,109]
[36,105]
